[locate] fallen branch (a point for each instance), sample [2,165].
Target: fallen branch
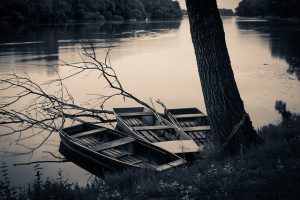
[39,162]
[44,113]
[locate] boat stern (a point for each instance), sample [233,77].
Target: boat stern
[179,146]
[170,165]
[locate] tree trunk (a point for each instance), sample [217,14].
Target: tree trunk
[231,126]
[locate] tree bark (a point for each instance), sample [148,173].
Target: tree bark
[230,124]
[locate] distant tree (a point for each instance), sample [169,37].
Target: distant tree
[133,9]
[277,8]
[78,10]
[230,124]
[61,10]
[226,12]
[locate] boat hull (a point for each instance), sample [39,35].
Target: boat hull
[95,158]
[114,150]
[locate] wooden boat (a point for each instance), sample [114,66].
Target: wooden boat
[115,150]
[84,163]
[192,121]
[143,123]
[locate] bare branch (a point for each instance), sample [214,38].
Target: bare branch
[41,161]
[44,113]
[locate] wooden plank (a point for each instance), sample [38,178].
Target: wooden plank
[153,128]
[199,142]
[191,123]
[187,124]
[122,154]
[197,134]
[125,159]
[89,132]
[192,135]
[82,143]
[140,122]
[86,142]
[182,124]
[149,137]
[194,115]
[196,128]
[131,160]
[95,140]
[155,136]
[115,153]
[134,114]
[139,134]
[114,143]
[136,161]
[170,165]
[129,122]
[91,141]
[136,122]
[107,152]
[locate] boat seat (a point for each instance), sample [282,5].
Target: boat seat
[89,132]
[170,164]
[113,144]
[115,153]
[153,128]
[195,128]
[135,114]
[90,141]
[150,136]
[137,162]
[131,160]
[194,115]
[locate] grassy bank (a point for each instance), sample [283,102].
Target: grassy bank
[270,171]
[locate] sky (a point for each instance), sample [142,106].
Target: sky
[232,4]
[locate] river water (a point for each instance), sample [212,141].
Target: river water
[153,60]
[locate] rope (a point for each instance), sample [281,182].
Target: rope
[233,132]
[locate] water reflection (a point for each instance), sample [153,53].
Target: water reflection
[36,43]
[284,40]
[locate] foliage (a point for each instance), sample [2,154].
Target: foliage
[226,12]
[43,11]
[276,8]
[222,11]
[7,191]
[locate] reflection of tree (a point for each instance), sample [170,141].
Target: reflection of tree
[42,42]
[284,41]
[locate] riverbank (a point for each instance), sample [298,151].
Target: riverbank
[270,171]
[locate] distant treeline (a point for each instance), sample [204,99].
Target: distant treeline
[42,11]
[223,12]
[274,8]
[226,12]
